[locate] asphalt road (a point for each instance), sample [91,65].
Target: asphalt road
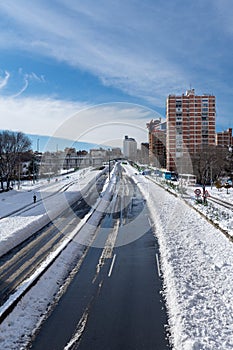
[114,301]
[22,261]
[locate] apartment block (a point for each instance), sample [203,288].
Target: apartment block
[190,125]
[157,142]
[224,138]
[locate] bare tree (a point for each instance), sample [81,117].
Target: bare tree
[209,163]
[12,145]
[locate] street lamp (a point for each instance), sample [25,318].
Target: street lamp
[230,150]
[109,170]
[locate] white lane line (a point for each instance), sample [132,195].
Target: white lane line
[111,267]
[149,221]
[158,267]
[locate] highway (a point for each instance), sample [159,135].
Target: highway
[23,260]
[114,301]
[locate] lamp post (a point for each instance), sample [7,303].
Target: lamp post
[230,150]
[109,170]
[33,171]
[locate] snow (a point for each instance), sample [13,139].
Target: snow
[51,201]
[216,213]
[196,263]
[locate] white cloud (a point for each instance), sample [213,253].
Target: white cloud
[102,124]
[106,124]
[35,115]
[146,49]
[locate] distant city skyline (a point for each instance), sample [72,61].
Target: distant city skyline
[118,61]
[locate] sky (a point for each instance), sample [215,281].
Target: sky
[102,69]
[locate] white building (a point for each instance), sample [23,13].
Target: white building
[129,148]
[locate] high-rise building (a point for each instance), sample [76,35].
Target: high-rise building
[144,154]
[224,138]
[157,142]
[190,125]
[130,148]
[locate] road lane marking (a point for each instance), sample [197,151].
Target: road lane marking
[112,264]
[108,249]
[158,266]
[79,331]
[149,221]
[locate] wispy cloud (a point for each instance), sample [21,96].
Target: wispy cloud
[4,80]
[146,49]
[116,52]
[24,88]
[26,79]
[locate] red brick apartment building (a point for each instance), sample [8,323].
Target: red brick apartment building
[190,124]
[157,143]
[224,138]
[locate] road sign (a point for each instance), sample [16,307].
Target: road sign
[197,191]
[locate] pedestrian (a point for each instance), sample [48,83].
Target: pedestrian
[34,198]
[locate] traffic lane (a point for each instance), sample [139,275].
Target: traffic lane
[61,324]
[57,330]
[129,312]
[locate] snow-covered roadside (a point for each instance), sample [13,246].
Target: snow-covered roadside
[33,308]
[197,265]
[15,229]
[216,213]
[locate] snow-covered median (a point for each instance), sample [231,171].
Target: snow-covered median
[15,229]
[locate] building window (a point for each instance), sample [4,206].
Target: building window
[178,104]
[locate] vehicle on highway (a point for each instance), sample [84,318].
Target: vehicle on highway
[188,179]
[170,175]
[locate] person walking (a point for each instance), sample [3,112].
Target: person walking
[34,198]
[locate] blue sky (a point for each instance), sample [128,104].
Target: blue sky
[110,62]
